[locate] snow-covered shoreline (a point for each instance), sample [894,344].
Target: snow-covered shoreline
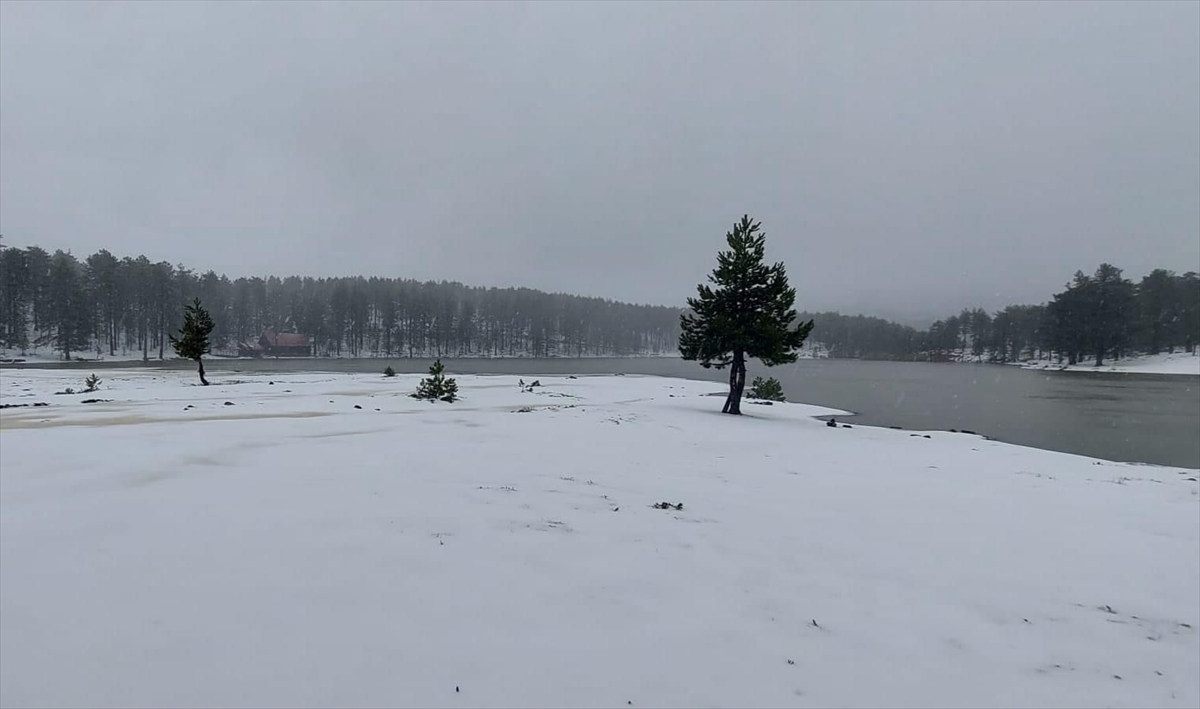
[32,359]
[1163,364]
[323,539]
[1179,363]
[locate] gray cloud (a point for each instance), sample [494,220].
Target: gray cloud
[905,159]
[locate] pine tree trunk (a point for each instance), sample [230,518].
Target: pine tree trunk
[202,379]
[737,384]
[732,386]
[741,386]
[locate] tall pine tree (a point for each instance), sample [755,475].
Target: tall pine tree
[192,342]
[748,314]
[68,305]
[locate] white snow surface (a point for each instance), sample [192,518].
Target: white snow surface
[46,355]
[1177,363]
[292,550]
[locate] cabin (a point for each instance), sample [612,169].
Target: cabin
[277,344]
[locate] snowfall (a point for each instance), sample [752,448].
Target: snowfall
[312,540]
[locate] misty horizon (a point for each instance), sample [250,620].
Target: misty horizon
[906,160]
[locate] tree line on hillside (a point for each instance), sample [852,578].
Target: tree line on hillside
[104,305]
[1096,317]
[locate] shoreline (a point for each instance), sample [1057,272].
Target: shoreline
[233,377]
[1123,366]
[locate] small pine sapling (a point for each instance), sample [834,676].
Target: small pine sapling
[92,383]
[768,389]
[389,372]
[449,391]
[437,386]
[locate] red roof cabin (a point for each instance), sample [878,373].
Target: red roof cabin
[277,344]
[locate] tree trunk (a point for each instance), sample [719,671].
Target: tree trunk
[732,386]
[741,386]
[737,383]
[202,379]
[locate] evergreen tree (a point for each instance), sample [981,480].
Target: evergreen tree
[14,298]
[1074,318]
[981,331]
[68,305]
[768,389]
[38,289]
[1157,309]
[192,342]
[1112,309]
[1001,336]
[437,386]
[748,314]
[1189,310]
[103,290]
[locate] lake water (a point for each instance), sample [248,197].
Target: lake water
[1125,417]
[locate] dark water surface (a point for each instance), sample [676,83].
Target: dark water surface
[1125,417]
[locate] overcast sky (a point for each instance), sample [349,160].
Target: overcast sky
[905,159]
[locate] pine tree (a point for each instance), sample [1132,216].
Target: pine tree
[1157,309]
[68,305]
[1113,311]
[192,342]
[748,314]
[437,386]
[14,298]
[1189,317]
[768,389]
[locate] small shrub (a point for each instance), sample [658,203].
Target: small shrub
[92,383]
[389,372]
[767,389]
[437,386]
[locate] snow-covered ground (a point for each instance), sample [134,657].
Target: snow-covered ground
[47,355]
[165,548]
[1177,363]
